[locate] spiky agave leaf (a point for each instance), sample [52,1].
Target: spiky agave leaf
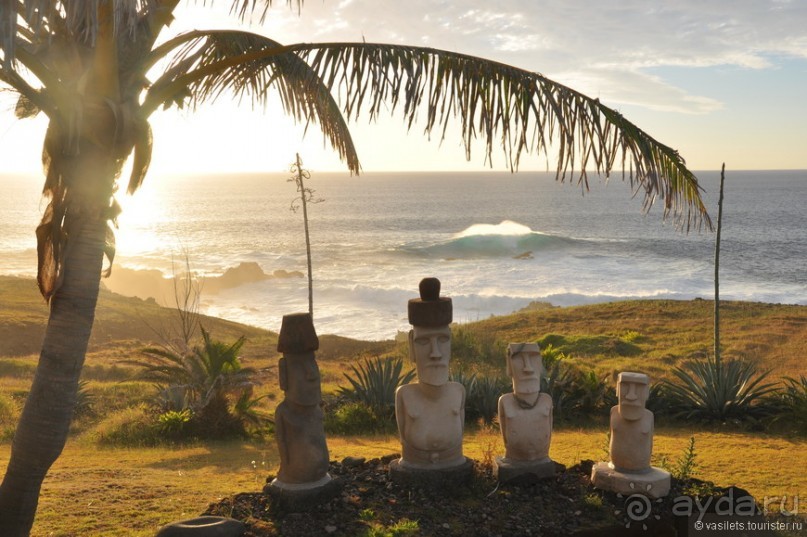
[716,391]
[374,382]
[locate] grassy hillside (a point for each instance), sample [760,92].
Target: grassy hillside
[645,335]
[134,490]
[654,335]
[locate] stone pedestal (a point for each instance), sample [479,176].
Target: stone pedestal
[653,482]
[453,476]
[508,471]
[206,526]
[302,496]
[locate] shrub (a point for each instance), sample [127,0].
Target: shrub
[172,424]
[84,399]
[790,403]
[9,414]
[201,381]
[469,346]
[352,417]
[576,393]
[134,426]
[482,395]
[374,382]
[708,390]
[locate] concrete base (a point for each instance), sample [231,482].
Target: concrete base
[454,476]
[523,472]
[302,496]
[653,483]
[206,526]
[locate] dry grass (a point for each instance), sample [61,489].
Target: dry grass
[656,335]
[132,492]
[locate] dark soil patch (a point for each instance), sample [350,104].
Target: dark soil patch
[369,501]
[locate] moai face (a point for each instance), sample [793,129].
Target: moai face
[632,389]
[524,365]
[299,378]
[430,348]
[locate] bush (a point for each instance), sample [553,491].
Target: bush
[790,403]
[353,418]
[575,393]
[9,414]
[374,382]
[201,381]
[469,346]
[482,395]
[709,390]
[131,427]
[172,424]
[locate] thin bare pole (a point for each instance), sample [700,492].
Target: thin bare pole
[717,267]
[306,197]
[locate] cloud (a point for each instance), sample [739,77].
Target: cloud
[610,45]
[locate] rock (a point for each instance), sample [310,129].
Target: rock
[206,526]
[353,462]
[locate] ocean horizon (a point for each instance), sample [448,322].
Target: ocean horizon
[497,241]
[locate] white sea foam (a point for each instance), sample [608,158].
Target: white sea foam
[504,242]
[504,228]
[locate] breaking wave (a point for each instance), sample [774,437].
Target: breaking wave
[506,239]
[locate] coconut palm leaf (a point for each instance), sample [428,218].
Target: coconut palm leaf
[519,110]
[209,63]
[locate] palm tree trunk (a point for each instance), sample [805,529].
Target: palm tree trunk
[45,421]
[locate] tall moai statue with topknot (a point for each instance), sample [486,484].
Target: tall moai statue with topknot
[430,412]
[299,425]
[629,471]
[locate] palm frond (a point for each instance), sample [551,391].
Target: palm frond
[245,8]
[518,110]
[207,64]
[80,19]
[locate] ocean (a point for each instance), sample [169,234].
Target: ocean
[496,240]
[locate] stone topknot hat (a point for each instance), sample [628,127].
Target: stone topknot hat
[297,334]
[630,376]
[430,309]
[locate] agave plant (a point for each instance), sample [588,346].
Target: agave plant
[374,382]
[791,403]
[200,381]
[711,390]
[483,401]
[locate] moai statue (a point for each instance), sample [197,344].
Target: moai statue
[430,412]
[299,428]
[525,418]
[629,471]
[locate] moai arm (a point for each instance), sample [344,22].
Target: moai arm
[400,413]
[503,420]
[280,437]
[462,406]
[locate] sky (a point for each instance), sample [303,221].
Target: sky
[720,81]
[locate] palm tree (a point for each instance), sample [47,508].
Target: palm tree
[200,380]
[96,70]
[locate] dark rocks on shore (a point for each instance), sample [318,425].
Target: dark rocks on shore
[150,284]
